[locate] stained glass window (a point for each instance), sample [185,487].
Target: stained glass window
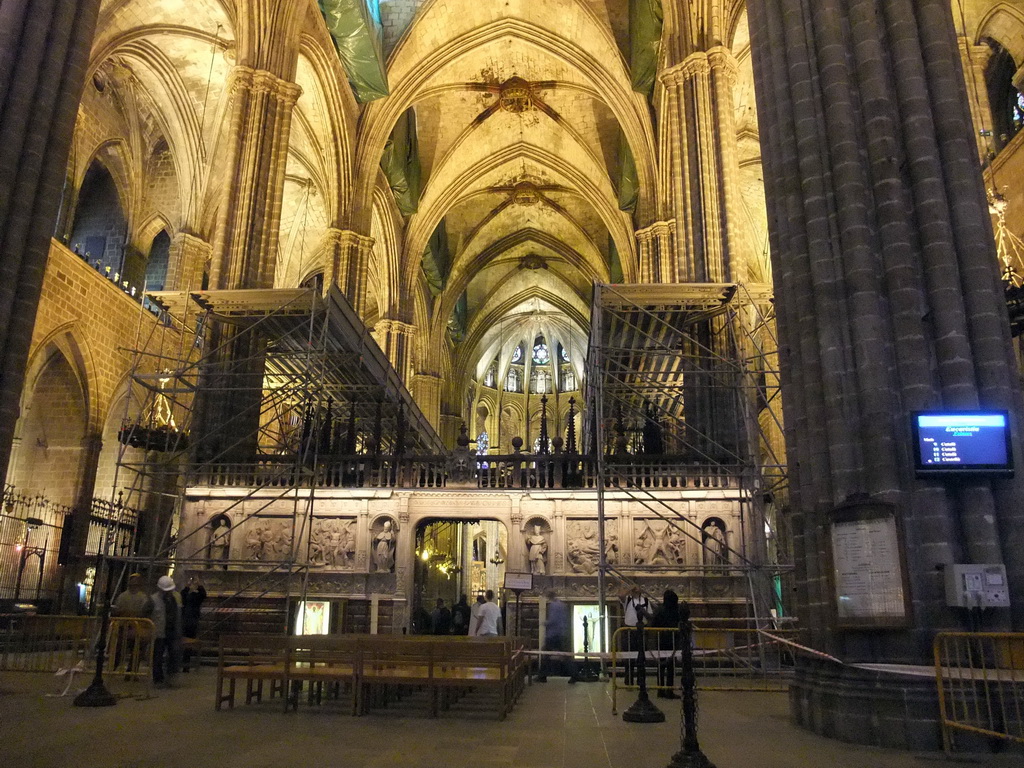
[1018,112]
[517,355]
[565,355]
[483,443]
[541,356]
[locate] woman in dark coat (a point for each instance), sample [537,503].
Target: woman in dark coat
[667,617]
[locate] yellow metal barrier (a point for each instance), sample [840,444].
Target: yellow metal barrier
[980,678]
[30,643]
[725,659]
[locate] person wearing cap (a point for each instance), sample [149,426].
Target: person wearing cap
[166,631]
[134,602]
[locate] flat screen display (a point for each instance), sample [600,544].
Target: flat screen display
[962,442]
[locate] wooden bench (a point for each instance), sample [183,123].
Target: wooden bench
[255,659]
[375,669]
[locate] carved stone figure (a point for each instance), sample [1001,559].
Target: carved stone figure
[537,547]
[220,540]
[269,540]
[611,546]
[653,547]
[332,543]
[384,548]
[583,549]
[713,537]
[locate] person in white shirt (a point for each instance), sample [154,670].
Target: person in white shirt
[474,615]
[634,608]
[487,618]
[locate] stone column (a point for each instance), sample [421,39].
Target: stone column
[426,390]
[44,52]
[657,254]
[187,262]
[248,227]
[888,297]
[348,261]
[395,338]
[974,59]
[703,166]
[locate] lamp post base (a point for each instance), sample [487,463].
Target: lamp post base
[96,695]
[690,760]
[643,711]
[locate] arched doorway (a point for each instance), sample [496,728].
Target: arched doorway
[455,558]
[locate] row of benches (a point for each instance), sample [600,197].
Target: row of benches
[371,669]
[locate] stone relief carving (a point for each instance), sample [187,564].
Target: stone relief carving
[269,540]
[332,543]
[659,543]
[582,549]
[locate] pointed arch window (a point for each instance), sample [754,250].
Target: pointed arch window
[517,354]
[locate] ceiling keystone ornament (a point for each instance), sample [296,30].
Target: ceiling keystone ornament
[533,261]
[516,96]
[525,193]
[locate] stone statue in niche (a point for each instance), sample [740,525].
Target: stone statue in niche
[537,550]
[219,547]
[713,537]
[583,548]
[653,545]
[384,548]
[611,546]
[269,540]
[332,543]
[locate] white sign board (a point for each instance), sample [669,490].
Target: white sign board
[868,577]
[523,581]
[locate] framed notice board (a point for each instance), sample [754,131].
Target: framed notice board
[868,567]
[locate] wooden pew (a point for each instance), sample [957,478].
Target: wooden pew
[255,659]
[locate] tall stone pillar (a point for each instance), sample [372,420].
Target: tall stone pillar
[248,228]
[704,166]
[396,338]
[974,59]
[888,297]
[426,390]
[657,252]
[44,52]
[348,262]
[187,262]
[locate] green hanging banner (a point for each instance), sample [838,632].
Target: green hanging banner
[627,186]
[358,40]
[645,22]
[401,163]
[457,322]
[614,265]
[436,259]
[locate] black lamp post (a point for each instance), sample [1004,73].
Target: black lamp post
[690,755]
[643,709]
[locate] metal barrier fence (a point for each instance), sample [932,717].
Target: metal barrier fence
[980,678]
[725,658]
[31,643]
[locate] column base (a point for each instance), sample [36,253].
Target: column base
[882,709]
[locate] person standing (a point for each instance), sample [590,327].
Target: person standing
[461,616]
[474,614]
[666,617]
[133,603]
[635,608]
[167,630]
[557,637]
[441,618]
[192,597]
[488,617]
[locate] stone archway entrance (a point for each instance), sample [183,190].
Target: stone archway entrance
[455,557]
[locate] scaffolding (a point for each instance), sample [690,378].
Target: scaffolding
[687,375]
[261,391]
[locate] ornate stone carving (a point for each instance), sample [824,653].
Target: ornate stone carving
[269,540]
[582,548]
[537,550]
[332,543]
[658,543]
